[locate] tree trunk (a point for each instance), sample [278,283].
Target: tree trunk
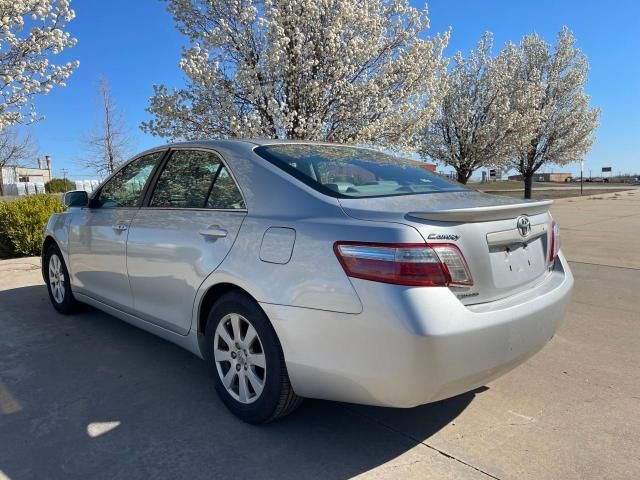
[463,176]
[528,184]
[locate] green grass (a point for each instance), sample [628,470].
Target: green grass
[506,185]
[559,193]
[513,185]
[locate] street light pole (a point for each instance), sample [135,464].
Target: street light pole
[581,175]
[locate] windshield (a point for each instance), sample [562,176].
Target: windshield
[350,172]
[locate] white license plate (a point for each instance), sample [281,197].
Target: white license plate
[517,264]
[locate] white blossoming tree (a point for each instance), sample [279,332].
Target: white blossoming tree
[344,71]
[479,123]
[565,122]
[31,32]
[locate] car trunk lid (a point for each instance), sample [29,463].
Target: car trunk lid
[504,258]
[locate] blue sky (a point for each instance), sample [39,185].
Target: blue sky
[134,44]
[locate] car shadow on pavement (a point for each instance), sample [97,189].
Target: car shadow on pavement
[89,396]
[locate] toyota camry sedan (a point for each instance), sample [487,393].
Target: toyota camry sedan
[313,270]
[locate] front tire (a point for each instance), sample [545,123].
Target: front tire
[246,361]
[58,283]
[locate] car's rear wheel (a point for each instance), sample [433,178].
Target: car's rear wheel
[246,361]
[58,283]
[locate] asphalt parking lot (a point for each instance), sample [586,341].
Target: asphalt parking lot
[89,396]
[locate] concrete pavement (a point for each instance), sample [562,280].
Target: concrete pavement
[601,229]
[89,396]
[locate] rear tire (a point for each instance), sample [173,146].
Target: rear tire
[245,358]
[58,283]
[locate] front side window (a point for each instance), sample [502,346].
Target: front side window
[196,179]
[125,188]
[350,172]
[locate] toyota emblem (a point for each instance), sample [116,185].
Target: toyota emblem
[524,225]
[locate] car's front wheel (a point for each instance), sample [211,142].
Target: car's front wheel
[58,283]
[246,361]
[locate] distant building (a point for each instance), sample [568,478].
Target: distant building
[429,166]
[14,174]
[15,180]
[545,177]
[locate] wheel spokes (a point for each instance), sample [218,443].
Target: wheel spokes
[243,389]
[238,354]
[249,337]
[222,331]
[56,279]
[235,326]
[228,378]
[222,355]
[256,383]
[257,359]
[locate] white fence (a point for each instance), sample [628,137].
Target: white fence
[31,188]
[87,185]
[23,188]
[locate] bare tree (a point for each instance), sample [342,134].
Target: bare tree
[15,148]
[109,143]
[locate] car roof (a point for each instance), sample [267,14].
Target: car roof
[246,141]
[233,145]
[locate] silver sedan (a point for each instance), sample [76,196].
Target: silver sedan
[313,270]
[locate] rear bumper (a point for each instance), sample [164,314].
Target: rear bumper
[412,346]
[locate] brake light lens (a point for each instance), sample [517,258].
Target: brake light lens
[555,242]
[455,263]
[404,264]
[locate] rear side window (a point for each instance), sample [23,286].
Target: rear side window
[195,179]
[225,193]
[350,172]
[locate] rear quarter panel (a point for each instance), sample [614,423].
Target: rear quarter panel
[313,277]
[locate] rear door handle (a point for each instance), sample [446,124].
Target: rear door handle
[214,231]
[119,227]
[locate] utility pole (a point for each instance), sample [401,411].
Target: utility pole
[64,173]
[581,175]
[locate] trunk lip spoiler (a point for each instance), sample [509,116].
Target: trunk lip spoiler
[484,214]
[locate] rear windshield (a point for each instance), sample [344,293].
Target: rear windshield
[350,172]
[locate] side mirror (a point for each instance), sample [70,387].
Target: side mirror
[76,198]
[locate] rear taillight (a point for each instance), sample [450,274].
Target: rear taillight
[404,264]
[555,242]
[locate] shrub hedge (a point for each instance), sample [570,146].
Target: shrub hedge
[59,185]
[22,224]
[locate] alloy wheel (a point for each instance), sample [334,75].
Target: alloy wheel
[56,278]
[240,359]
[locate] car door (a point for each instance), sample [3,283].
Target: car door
[187,226]
[98,234]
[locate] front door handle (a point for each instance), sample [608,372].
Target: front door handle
[214,231]
[119,227]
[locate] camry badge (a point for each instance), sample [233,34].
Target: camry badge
[524,225]
[443,236]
